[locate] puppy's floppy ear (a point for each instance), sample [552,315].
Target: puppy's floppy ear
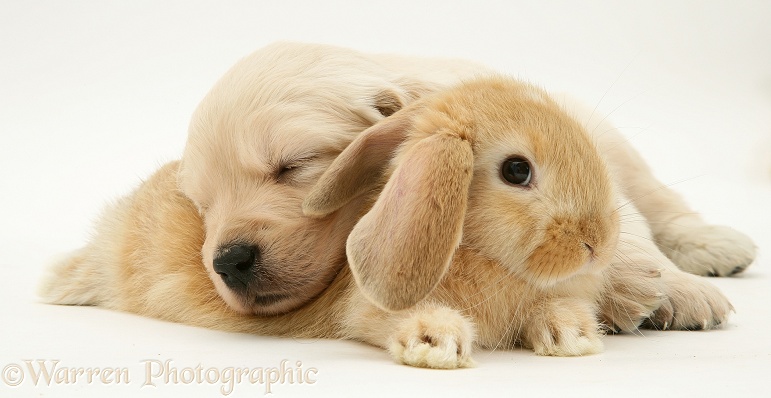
[382,102]
[400,250]
[388,101]
[359,167]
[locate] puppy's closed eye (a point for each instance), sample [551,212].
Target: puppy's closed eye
[291,170]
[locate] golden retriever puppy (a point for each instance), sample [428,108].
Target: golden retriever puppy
[146,258]
[257,143]
[459,162]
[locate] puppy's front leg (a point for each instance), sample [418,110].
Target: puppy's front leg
[634,288]
[680,233]
[645,278]
[692,303]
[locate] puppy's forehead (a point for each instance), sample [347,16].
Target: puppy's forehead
[273,137]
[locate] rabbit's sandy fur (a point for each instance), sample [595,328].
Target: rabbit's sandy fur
[682,237]
[146,258]
[679,231]
[518,273]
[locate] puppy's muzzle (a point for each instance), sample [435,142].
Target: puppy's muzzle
[236,265]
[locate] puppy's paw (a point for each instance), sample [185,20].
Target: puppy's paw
[564,327]
[707,250]
[632,293]
[692,304]
[438,338]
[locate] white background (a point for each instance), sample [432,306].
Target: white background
[95,95]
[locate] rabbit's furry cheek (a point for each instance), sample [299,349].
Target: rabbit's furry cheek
[564,222]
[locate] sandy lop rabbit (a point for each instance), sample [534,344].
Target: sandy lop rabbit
[498,223]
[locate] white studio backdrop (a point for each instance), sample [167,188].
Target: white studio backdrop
[95,95]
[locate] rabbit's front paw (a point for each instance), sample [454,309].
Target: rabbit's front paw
[438,338]
[564,327]
[707,250]
[692,304]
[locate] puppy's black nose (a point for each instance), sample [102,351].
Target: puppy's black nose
[235,264]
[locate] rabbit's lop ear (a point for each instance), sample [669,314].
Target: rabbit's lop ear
[359,168]
[400,250]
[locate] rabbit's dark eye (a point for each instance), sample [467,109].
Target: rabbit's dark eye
[516,171]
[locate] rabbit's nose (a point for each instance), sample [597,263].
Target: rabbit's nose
[236,264]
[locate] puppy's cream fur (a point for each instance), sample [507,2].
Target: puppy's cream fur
[258,142]
[149,248]
[502,286]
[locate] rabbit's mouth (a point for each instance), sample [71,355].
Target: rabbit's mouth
[572,246]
